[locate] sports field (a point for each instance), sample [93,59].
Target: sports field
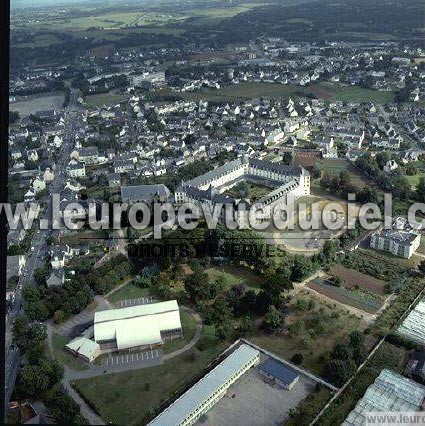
[104,99]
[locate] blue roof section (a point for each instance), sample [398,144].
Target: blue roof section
[279,371]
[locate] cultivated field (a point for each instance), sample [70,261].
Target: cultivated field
[355,278]
[356,299]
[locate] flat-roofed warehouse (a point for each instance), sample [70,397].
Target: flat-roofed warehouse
[196,401]
[137,326]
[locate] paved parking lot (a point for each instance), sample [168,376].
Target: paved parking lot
[77,324]
[133,360]
[134,302]
[250,401]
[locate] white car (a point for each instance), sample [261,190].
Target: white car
[32,249]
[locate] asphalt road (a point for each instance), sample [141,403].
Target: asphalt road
[35,259]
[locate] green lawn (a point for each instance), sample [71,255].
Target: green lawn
[58,344]
[414,180]
[334,166]
[130,291]
[237,275]
[131,397]
[358,94]
[104,99]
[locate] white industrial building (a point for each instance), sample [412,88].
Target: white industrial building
[390,392]
[137,326]
[84,348]
[196,401]
[413,327]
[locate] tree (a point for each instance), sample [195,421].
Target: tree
[343,352]
[33,380]
[337,281]
[329,249]
[421,266]
[301,268]
[195,286]
[235,298]
[222,331]
[36,353]
[221,313]
[367,195]
[19,332]
[246,326]
[420,189]
[356,342]
[58,317]
[13,117]
[63,408]
[273,320]
[37,311]
[326,181]
[297,359]
[382,159]
[339,371]
[287,158]
[53,370]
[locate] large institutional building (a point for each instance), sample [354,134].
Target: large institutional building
[137,326]
[210,187]
[132,328]
[196,401]
[401,241]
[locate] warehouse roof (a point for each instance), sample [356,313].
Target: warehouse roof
[207,386]
[390,392]
[129,333]
[413,327]
[279,371]
[118,323]
[135,311]
[83,346]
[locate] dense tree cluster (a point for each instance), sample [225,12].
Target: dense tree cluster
[394,182]
[40,376]
[345,358]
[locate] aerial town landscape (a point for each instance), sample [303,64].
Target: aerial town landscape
[124,115]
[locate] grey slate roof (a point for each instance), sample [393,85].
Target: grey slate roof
[279,371]
[144,192]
